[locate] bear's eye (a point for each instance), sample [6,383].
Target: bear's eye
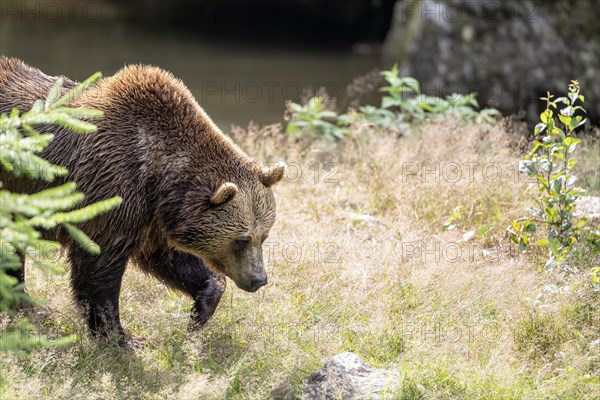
[242,242]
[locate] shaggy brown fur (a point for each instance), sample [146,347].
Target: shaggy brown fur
[191,197]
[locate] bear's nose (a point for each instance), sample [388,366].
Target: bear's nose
[256,283]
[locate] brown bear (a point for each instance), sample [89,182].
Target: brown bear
[195,207]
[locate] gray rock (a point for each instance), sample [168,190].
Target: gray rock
[509,52]
[346,376]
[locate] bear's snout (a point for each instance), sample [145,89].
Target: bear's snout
[258,283]
[252,285]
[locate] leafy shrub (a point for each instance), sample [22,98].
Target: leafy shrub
[23,215]
[313,119]
[403,106]
[404,94]
[381,117]
[550,162]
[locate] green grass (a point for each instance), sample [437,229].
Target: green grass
[587,169]
[539,336]
[387,288]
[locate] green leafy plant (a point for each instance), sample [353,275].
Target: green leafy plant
[467,109]
[398,94]
[404,106]
[314,119]
[550,162]
[404,93]
[22,216]
[377,117]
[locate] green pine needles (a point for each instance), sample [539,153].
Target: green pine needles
[22,216]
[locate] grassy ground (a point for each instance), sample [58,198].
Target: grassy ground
[358,262]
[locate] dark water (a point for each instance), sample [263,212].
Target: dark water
[235,82]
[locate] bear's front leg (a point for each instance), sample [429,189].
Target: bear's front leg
[206,300]
[96,286]
[186,273]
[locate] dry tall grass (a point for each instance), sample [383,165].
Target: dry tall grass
[358,261]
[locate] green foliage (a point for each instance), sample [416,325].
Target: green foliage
[23,215]
[403,107]
[381,117]
[404,94]
[20,141]
[313,119]
[550,163]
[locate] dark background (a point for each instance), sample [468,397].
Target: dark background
[243,59]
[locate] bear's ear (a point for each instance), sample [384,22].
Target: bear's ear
[272,175]
[224,193]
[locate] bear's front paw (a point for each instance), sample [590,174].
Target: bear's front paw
[206,302]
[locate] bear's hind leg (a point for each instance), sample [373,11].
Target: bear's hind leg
[96,286]
[186,273]
[19,272]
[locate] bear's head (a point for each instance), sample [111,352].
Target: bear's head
[228,231]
